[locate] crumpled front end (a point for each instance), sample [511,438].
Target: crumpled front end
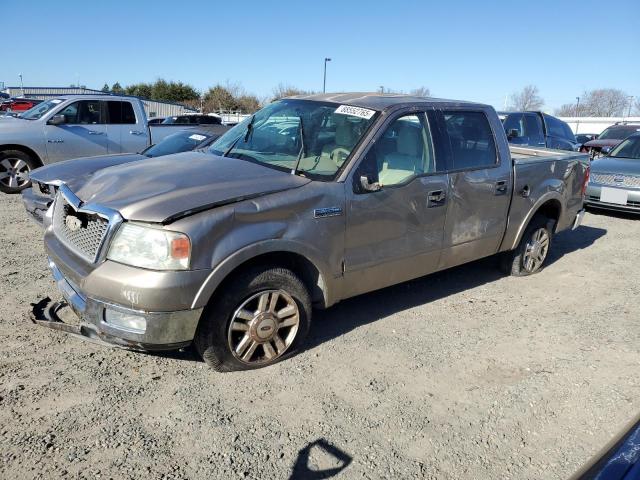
[112,302]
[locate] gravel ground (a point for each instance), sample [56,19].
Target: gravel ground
[462,374]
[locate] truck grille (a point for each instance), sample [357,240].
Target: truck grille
[616,180]
[82,232]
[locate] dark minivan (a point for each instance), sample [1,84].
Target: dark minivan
[537,129]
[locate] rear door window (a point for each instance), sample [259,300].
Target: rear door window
[555,126]
[471,139]
[120,113]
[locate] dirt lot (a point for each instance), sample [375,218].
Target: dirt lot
[463,374]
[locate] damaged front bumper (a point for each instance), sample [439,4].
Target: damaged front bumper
[36,205]
[162,330]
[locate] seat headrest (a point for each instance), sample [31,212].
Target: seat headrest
[409,141]
[344,134]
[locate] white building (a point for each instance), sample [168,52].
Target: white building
[595,124]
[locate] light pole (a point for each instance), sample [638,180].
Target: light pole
[324,81]
[577,110]
[21,85]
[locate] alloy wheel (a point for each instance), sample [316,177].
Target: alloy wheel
[536,250]
[14,172]
[263,327]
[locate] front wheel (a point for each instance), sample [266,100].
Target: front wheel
[532,251]
[256,319]
[15,166]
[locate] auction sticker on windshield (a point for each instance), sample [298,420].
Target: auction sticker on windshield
[197,137]
[355,111]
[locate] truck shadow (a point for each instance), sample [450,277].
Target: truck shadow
[357,311]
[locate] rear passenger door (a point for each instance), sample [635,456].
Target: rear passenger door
[480,186]
[395,234]
[126,132]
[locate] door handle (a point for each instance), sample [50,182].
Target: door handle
[136,132]
[436,198]
[501,187]
[93,132]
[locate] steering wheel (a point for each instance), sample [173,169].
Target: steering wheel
[339,155]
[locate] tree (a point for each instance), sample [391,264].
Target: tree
[219,98]
[282,91]
[420,92]
[527,99]
[117,88]
[105,88]
[605,102]
[637,108]
[571,110]
[164,91]
[248,103]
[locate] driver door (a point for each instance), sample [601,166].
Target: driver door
[395,234]
[83,133]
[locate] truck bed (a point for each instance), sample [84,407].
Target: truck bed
[541,174]
[525,155]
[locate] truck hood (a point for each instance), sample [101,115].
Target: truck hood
[623,166]
[74,173]
[166,188]
[12,124]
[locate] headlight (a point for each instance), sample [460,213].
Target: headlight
[148,247]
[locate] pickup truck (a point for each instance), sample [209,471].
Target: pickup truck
[539,130]
[69,127]
[311,200]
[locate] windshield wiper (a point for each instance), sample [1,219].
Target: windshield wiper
[246,137]
[302,152]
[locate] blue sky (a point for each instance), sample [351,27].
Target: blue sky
[469,50]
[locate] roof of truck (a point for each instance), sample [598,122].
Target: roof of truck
[378,101]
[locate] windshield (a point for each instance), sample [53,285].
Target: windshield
[629,148]
[40,109]
[310,137]
[617,133]
[176,143]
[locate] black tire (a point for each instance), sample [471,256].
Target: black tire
[513,262]
[15,166]
[214,334]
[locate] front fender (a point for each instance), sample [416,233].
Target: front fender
[233,261]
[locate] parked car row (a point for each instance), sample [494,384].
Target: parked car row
[18,104]
[74,126]
[309,201]
[609,138]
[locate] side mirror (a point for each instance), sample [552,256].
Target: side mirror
[605,150]
[513,133]
[368,186]
[57,120]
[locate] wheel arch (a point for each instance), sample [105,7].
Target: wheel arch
[29,151]
[549,205]
[311,271]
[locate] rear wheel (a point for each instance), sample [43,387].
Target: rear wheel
[15,166]
[533,249]
[257,318]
